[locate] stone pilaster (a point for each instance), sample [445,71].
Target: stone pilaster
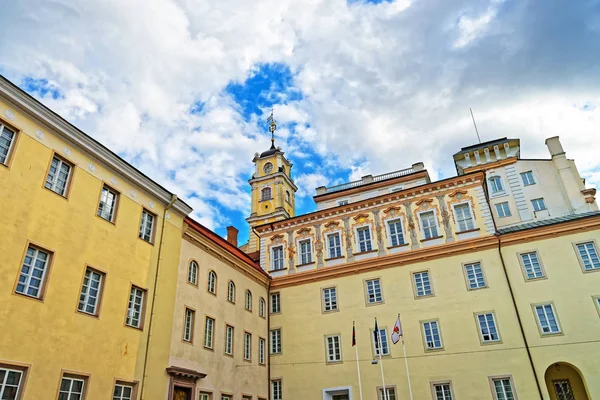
[319,246]
[379,233]
[445,218]
[349,235]
[414,242]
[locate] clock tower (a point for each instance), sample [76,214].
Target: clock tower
[273,190]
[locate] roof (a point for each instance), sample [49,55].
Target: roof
[546,222]
[376,179]
[484,144]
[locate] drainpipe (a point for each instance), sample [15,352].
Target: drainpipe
[268,349]
[160,247]
[510,289]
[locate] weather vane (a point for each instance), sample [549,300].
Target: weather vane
[272,127]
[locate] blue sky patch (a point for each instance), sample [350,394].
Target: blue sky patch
[41,87]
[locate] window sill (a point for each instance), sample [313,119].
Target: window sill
[146,241]
[334,258]
[498,194]
[365,252]
[334,362]
[95,316]
[225,354]
[468,231]
[137,328]
[40,299]
[208,348]
[431,238]
[276,270]
[305,264]
[552,334]
[397,246]
[104,219]
[434,350]
[58,194]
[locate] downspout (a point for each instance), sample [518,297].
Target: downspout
[510,289]
[268,349]
[160,247]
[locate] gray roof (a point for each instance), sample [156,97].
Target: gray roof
[546,222]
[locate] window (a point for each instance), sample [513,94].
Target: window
[288,197]
[487,328]
[442,391]
[108,204]
[7,138]
[231,292]
[527,178]
[135,307]
[209,330]
[265,194]
[211,285]
[276,393]
[229,340]
[205,396]
[433,339]
[248,300]
[246,397]
[226,397]
[374,291]
[343,203]
[503,210]
[334,351]
[383,339]
[588,256]
[58,176]
[464,217]
[563,389]
[123,392]
[261,351]
[33,272]
[188,325]
[334,245]
[503,389]
[390,393]
[538,204]
[429,224]
[275,303]
[10,383]
[146,226]
[422,284]
[329,299]
[475,277]
[276,341]
[364,239]
[247,346]
[193,273]
[396,232]
[305,251]
[277,258]
[496,184]
[547,319]
[261,307]
[71,388]
[531,265]
[91,290]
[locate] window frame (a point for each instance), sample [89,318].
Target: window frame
[493,378]
[433,385]
[578,254]
[437,224]
[211,272]
[534,307]
[390,236]
[262,306]
[413,275]
[280,340]
[384,337]
[424,335]
[132,384]
[388,388]
[492,186]
[74,376]
[309,254]
[203,392]
[278,296]
[248,300]
[328,359]
[184,338]
[153,228]
[100,295]
[465,265]
[70,176]
[45,280]
[23,369]
[265,190]
[13,143]
[262,352]
[324,301]
[189,272]
[272,260]
[212,332]
[369,245]
[115,207]
[328,247]
[231,293]
[536,201]
[478,325]
[508,208]
[469,206]
[524,267]
[248,342]
[143,307]
[523,180]
[226,340]
[279,383]
[366,290]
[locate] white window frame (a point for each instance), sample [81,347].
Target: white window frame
[469,222]
[513,392]
[446,390]
[123,396]
[336,248]
[54,179]
[436,226]
[205,396]
[107,209]
[276,389]
[137,296]
[231,292]
[86,298]
[419,283]
[277,297]
[471,274]
[304,257]
[11,145]
[530,178]
[4,384]
[543,307]
[261,350]
[589,257]
[499,206]
[383,338]
[275,341]
[333,348]
[26,278]
[277,267]
[368,245]
[526,259]
[427,329]
[248,302]
[261,307]
[391,236]
[188,325]
[367,289]
[69,392]
[209,332]
[535,203]
[143,232]
[193,272]
[211,283]
[247,346]
[487,326]
[494,190]
[229,337]
[330,301]
[390,393]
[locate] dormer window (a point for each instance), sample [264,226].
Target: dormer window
[496,184]
[265,194]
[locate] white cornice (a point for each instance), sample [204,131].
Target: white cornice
[275,175]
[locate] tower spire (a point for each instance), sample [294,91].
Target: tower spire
[272,128]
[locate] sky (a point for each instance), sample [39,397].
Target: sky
[182,88]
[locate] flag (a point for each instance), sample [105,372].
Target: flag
[376,335]
[353,335]
[397,331]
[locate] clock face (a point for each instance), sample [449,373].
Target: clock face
[268,168]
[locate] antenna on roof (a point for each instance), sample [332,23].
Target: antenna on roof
[475,125]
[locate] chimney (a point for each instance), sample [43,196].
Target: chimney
[554,146]
[232,234]
[418,166]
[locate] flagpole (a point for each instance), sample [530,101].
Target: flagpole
[385,395]
[357,366]
[407,373]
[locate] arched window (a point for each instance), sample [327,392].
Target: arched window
[288,197]
[261,307]
[265,194]
[496,184]
[212,282]
[248,300]
[231,291]
[193,273]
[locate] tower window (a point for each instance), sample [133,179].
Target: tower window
[265,194]
[288,196]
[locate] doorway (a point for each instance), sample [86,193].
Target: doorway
[338,393]
[565,382]
[182,393]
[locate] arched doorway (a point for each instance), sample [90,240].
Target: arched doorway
[564,382]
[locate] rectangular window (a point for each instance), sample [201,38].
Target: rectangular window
[390,393]
[276,393]
[209,330]
[226,397]
[496,184]
[503,210]
[276,341]
[527,178]
[396,233]
[475,276]
[442,391]
[383,340]
[538,204]
[188,325]
[261,351]
[146,226]
[229,340]
[277,258]
[374,291]
[464,217]
[334,245]
[58,176]
[334,351]
[343,203]
[422,284]
[364,239]
[329,299]
[33,272]
[71,388]
[433,339]
[305,252]
[503,389]
[135,307]
[547,319]
[11,383]
[247,346]
[91,289]
[7,138]
[108,204]
[487,328]
[531,265]
[123,392]
[429,224]
[205,396]
[588,256]
[275,303]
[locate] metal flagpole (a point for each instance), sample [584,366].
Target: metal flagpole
[407,373]
[357,363]
[385,394]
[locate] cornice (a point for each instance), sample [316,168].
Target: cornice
[551,231]
[272,176]
[491,165]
